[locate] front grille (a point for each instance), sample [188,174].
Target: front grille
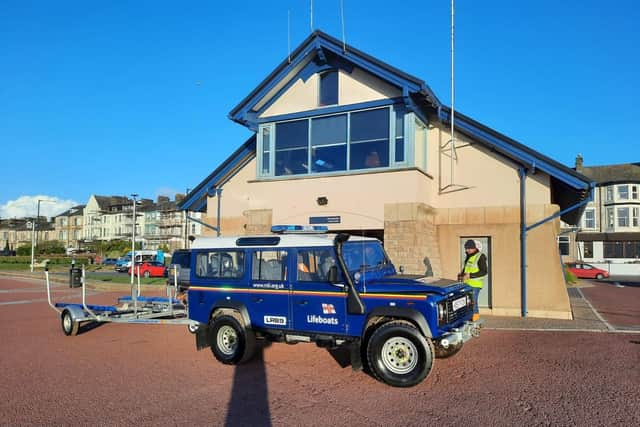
[452,316]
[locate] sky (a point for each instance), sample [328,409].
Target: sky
[122,97]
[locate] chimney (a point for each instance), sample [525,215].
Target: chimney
[179,197]
[163,199]
[579,163]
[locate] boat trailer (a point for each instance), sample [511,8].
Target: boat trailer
[133,308]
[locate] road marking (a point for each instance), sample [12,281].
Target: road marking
[609,327]
[22,302]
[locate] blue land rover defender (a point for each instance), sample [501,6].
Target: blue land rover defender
[331,289]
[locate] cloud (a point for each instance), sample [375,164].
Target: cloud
[27,206]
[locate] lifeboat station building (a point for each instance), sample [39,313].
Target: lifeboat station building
[345,140]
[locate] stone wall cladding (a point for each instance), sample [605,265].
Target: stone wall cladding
[410,236]
[258,221]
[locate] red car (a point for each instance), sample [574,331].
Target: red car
[586,271]
[150,269]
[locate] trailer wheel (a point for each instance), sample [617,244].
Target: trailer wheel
[399,355]
[231,342]
[69,326]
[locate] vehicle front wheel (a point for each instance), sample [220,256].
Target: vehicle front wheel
[69,326]
[231,342]
[399,355]
[599,276]
[146,274]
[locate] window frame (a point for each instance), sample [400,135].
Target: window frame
[564,245]
[622,217]
[322,76]
[586,219]
[619,192]
[394,112]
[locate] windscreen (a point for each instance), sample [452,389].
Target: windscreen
[364,255]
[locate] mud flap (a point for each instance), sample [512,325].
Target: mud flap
[354,353]
[202,337]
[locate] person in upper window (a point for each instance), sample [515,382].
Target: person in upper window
[372,160]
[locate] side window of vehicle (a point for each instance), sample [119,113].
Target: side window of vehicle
[313,265]
[220,264]
[269,265]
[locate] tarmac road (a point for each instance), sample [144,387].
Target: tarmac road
[152,375]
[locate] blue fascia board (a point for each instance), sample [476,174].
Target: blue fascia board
[521,156]
[307,71]
[377,70]
[241,111]
[194,199]
[317,42]
[331,110]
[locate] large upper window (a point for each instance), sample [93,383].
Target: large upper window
[328,88]
[350,141]
[369,146]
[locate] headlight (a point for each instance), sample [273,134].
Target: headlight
[442,312]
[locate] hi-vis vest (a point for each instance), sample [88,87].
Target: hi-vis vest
[471,266]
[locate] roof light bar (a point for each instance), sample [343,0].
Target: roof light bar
[299,229]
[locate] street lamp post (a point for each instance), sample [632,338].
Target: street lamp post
[34,234]
[133,239]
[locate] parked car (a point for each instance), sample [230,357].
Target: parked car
[587,271]
[123,264]
[181,260]
[150,269]
[109,261]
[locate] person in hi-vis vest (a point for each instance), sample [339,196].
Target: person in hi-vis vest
[474,270]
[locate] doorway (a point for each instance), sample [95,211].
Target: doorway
[485,247]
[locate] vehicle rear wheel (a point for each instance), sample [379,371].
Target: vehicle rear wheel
[146,274]
[69,326]
[231,342]
[399,355]
[599,276]
[451,350]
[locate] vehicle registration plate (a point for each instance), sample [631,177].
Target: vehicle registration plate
[459,303]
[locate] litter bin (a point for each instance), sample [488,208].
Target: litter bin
[75,277]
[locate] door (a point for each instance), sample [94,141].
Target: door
[317,305]
[268,300]
[485,248]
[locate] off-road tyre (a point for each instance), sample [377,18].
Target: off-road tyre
[231,342]
[399,355]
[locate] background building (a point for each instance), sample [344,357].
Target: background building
[608,233]
[346,140]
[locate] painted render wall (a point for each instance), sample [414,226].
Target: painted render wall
[492,179]
[546,291]
[359,86]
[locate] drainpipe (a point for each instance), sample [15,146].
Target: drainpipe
[522,173]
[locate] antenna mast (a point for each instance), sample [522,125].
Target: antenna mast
[449,148]
[344,42]
[311,16]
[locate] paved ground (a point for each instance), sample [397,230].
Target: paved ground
[149,375]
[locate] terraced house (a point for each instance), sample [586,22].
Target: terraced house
[343,139]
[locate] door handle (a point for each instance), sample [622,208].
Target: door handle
[257,299]
[303,302]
